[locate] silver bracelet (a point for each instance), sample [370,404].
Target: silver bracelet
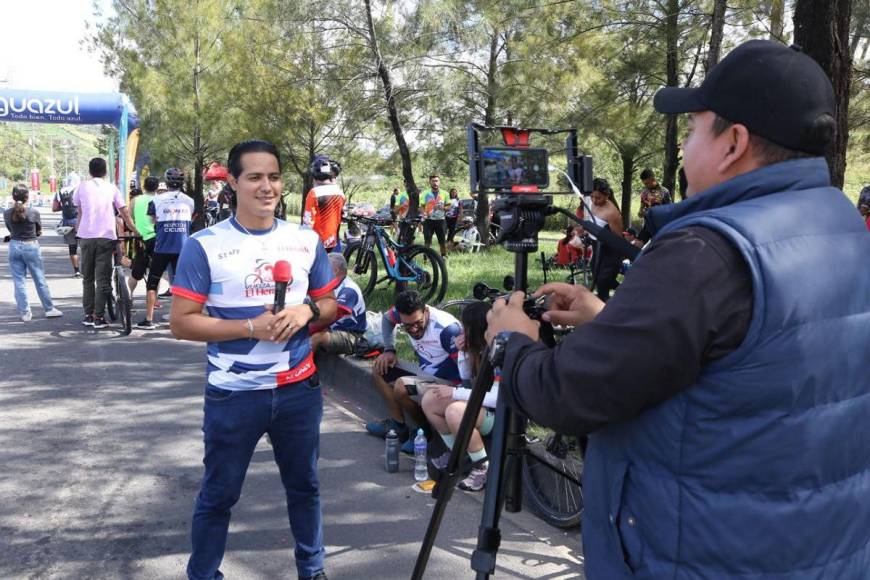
[250,329]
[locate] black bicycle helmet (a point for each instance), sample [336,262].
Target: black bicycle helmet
[174,178]
[323,168]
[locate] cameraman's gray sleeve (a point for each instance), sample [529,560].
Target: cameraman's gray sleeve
[685,303]
[388,331]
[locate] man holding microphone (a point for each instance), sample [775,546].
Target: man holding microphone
[261,376]
[728,423]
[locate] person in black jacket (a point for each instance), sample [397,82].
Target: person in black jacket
[707,383]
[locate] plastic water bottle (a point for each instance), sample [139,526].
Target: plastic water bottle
[392,454]
[421,471]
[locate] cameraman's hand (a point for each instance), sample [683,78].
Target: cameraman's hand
[509,316]
[569,305]
[384,362]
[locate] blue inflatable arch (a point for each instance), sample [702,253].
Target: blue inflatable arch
[17,105]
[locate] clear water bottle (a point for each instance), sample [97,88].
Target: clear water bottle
[391,457]
[421,471]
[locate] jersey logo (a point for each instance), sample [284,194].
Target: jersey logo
[260,282]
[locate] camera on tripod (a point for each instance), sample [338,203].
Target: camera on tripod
[533,307]
[518,174]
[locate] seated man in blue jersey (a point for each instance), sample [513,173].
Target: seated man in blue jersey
[342,336]
[433,336]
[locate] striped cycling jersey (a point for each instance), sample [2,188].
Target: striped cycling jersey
[230,271]
[323,207]
[351,307]
[173,212]
[436,350]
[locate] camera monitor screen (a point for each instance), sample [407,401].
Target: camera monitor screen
[505,167]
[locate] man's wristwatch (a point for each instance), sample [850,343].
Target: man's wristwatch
[315,311]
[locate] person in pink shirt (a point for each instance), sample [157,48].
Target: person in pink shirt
[96,201]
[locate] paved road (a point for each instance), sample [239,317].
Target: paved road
[100,447]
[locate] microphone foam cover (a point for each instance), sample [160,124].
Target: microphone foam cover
[281,271]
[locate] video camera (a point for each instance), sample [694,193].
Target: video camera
[517,174]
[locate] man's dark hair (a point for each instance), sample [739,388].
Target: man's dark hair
[151,184]
[97,167]
[234,161]
[434,175]
[767,152]
[408,302]
[647,174]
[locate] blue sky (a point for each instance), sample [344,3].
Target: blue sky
[40,46]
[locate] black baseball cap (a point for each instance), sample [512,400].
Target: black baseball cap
[775,91]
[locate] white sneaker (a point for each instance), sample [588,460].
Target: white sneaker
[53,313]
[27,316]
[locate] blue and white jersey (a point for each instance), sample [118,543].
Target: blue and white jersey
[230,271]
[173,212]
[351,307]
[436,350]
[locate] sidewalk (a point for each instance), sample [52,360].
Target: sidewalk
[101,447]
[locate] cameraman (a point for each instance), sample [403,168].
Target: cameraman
[729,432]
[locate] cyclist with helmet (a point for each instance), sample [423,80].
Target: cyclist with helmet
[325,202]
[146,228]
[171,213]
[63,202]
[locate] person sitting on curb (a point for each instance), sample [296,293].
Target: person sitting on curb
[433,336]
[342,336]
[444,406]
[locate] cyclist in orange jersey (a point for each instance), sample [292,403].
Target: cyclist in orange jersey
[325,202]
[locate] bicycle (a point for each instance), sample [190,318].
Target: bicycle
[552,464]
[410,266]
[119,303]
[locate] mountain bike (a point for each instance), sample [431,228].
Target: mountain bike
[119,303]
[552,464]
[410,266]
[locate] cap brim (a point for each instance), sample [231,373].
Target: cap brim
[673,100]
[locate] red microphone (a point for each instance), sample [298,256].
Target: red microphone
[282,275]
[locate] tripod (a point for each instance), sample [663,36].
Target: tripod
[504,478]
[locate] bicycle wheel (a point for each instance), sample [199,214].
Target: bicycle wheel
[429,271]
[110,306]
[124,304]
[551,494]
[362,267]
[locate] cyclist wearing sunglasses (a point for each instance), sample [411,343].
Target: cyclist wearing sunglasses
[433,336]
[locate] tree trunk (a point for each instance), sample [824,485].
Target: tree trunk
[829,46]
[717,25]
[198,161]
[393,114]
[482,218]
[671,40]
[627,177]
[777,20]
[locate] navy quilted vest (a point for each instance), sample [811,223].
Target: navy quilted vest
[761,468]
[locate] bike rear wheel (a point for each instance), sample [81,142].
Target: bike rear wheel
[362,267]
[429,271]
[551,494]
[123,302]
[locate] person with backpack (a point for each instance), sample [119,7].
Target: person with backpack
[63,202]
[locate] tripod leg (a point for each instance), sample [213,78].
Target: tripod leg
[503,488]
[447,481]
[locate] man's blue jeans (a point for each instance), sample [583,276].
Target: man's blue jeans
[233,424]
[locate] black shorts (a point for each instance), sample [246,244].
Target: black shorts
[438,227]
[142,259]
[159,262]
[396,373]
